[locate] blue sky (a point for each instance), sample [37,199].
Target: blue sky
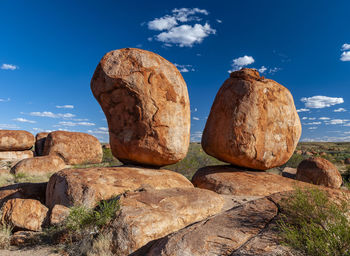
[50,49]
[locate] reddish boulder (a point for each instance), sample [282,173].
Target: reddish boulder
[40,143]
[15,140]
[73,147]
[253,122]
[145,100]
[39,165]
[15,155]
[319,171]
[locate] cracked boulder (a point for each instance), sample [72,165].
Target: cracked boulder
[146,103]
[148,214]
[74,147]
[88,186]
[253,122]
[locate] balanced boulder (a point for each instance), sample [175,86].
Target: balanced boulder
[73,147]
[149,214]
[319,171]
[253,122]
[88,186]
[39,165]
[27,214]
[145,100]
[15,140]
[40,143]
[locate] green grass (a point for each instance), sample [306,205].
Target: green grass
[314,224]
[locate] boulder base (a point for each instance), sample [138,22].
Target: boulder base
[88,186]
[253,122]
[146,103]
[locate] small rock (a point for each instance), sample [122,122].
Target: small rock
[39,165]
[289,172]
[25,214]
[22,238]
[319,171]
[58,214]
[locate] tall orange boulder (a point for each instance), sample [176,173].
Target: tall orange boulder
[253,122]
[145,100]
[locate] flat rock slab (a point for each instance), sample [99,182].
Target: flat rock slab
[15,155]
[15,140]
[88,186]
[39,165]
[74,147]
[219,235]
[230,180]
[150,214]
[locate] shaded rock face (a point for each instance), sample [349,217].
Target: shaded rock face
[73,147]
[319,171]
[229,180]
[150,214]
[289,172]
[24,191]
[40,143]
[39,165]
[71,187]
[221,234]
[15,155]
[145,100]
[25,214]
[15,140]
[253,122]
[58,214]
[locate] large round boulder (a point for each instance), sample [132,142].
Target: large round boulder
[145,100]
[74,147]
[253,122]
[15,140]
[319,171]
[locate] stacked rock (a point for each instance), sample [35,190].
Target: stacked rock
[15,145]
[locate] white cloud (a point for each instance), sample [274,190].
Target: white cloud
[262,69]
[5,100]
[312,118]
[313,128]
[195,118]
[218,21]
[196,136]
[103,129]
[69,123]
[51,115]
[241,62]
[274,70]
[23,120]
[345,56]
[324,118]
[345,47]
[336,121]
[8,126]
[186,35]
[183,35]
[321,101]
[303,110]
[339,110]
[184,68]
[8,67]
[304,118]
[313,123]
[65,106]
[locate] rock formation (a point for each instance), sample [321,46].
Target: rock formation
[39,165]
[15,140]
[145,100]
[40,143]
[253,122]
[73,147]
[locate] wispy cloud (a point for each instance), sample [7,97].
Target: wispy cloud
[303,110]
[5,100]
[196,136]
[65,106]
[183,35]
[9,126]
[23,120]
[340,110]
[324,118]
[8,67]
[69,123]
[336,121]
[51,115]
[195,118]
[321,101]
[345,56]
[312,123]
[184,68]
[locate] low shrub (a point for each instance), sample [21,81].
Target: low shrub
[5,236]
[313,224]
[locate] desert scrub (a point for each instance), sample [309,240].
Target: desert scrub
[313,224]
[5,236]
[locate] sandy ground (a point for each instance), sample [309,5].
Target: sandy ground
[33,251]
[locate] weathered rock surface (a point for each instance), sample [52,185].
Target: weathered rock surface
[23,191]
[73,147]
[40,143]
[221,234]
[145,100]
[253,122]
[229,180]
[22,238]
[91,185]
[39,165]
[289,172]
[25,214]
[150,214]
[15,155]
[15,140]
[319,171]
[58,214]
